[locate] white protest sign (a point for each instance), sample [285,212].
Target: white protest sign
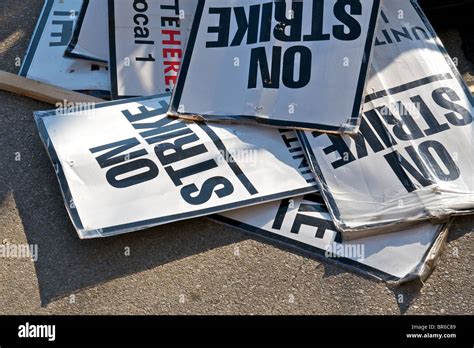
[45,61]
[412,159]
[125,166]
[147,41]
[296,64]
[90,39]
[303,223]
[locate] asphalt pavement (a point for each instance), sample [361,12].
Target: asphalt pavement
[191,267]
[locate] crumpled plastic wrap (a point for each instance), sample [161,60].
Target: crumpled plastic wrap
[412,158]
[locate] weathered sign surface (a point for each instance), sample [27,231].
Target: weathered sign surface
[412,158]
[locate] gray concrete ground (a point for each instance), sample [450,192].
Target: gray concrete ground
[187,267]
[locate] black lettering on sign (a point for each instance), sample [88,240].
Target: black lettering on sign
[316,205]
[364,137]
[294,147]
[173,7]
[289,63]
[400,34]
[434,127]
[427,151]
[271,79]
[402,167]
[405,127]
[258,58]
[141,31]
[382,129]
[293,66]
[222,30]
[281,213]
[145,113]
[291,25]
[338,145]
[111,157]
[162,130]
[246,27]
[317,23]
[218,185]
[174,142]
[125,163]
[129,168]
[177,175]
[66,28]
[287,26]
[446,98]
[173,152]
[428,167]
[347,19]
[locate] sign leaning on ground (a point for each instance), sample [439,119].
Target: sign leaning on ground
[303,223]
[147,41]
[125,166]
[90,39]
[411,159]
[45,61]
[296,64]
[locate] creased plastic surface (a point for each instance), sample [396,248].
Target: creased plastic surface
[412,159]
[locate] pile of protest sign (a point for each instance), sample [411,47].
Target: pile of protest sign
[340,129]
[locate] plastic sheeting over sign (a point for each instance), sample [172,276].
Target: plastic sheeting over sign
[124,166]
[303,223]
[147,42]
[90,40]
[412,158]
[295,64]
[45,59]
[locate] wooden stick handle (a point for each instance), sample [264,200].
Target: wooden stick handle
[42,91]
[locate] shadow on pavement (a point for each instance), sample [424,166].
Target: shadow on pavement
[67,265]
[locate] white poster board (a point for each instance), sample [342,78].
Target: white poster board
[90,39]
[125,166]
[147,42]
[303,223]
[412,158]
[295,64]
[45,61]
